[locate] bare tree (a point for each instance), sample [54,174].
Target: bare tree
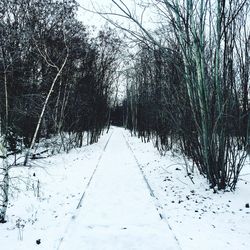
[59,72]
[205,33]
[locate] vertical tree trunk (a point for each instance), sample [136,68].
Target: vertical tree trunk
[6,102]
[4,188]
[43,110]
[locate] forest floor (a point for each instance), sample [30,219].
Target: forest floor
[121,194]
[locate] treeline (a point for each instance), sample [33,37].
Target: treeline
[42,44]
[191,92]
[55,79]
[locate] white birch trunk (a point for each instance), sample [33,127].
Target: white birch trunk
[4,188]
[43,110]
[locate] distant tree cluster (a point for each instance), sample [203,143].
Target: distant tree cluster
[54,78]
[190,85]
[42,43]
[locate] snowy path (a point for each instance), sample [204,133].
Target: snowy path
[117,212]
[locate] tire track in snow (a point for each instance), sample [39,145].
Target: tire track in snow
[97,165]
[151,192]
[79,205]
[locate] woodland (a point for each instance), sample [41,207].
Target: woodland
[187,83]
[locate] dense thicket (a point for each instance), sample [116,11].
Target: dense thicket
[54,78]
[192,90]
[36,38]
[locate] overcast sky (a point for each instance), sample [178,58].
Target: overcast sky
[89,18]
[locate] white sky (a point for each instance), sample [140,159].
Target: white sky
[89,18]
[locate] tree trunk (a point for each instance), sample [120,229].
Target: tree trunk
[43,110]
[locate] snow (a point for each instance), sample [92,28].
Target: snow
[199,218]
[117,211]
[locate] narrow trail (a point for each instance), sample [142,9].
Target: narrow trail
[118,211]
[79,205]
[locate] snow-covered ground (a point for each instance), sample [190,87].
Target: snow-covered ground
[116,210]
[62,179]
[199,218]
